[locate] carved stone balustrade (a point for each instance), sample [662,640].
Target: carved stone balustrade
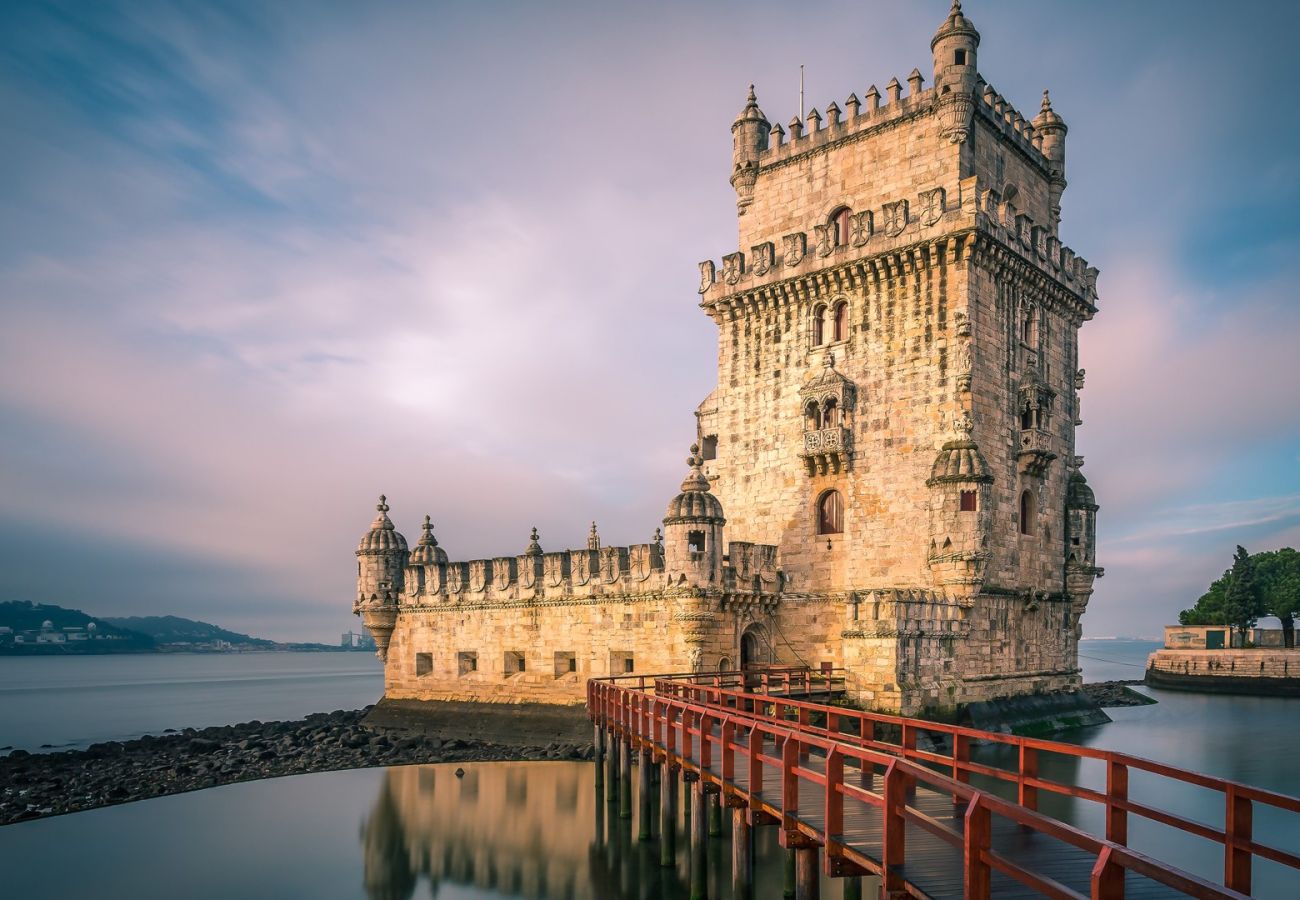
[827,449]
[1035,453]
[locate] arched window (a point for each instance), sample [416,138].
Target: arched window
[830,513]
[840,322]
[819,326]
[1027,512]
[813,416]
[839,223]
[831,415]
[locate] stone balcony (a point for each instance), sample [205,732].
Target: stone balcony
[827,449]
[1034,452]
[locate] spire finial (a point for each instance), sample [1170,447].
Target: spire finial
[1047,101]
[383,504]
[659,535]
[534,546]
[593,539]
[752,98]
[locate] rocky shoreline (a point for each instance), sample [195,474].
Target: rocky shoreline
[1110,694]
[35,785]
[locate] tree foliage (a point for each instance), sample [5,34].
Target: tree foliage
[1263,584]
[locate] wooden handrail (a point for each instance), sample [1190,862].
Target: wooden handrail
[748,722]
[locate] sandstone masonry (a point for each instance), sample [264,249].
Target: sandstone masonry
[884,477]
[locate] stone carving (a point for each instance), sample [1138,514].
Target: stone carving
[695,659]
[861,227]
[764,257]
[708,274]
[895,217]
[733,266]
[823,239]
[932,206]
[794,248]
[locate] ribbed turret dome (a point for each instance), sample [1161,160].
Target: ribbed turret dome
[427,552]
[695,503]
[382,536]
[956,23]
[1047,117]
[1078,495]
[751,112]
[959,460]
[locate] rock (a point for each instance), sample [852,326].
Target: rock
[202,745]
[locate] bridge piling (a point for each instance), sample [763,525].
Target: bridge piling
[598,744]
[625,778]
[699,843]
[807,873]
[645,792]
[789,888]
[668,816]
[742,855]
[715,815]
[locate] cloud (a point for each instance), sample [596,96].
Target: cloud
[261,266]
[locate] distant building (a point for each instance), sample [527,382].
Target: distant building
[1217,637]
[355,641]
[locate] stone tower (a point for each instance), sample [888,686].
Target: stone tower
[897,393]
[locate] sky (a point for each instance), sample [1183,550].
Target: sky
[261,262]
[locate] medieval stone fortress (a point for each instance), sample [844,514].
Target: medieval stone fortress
[884,478]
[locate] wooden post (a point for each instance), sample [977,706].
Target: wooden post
[598,743]
[699,844]
[807,873]
[611,759]
[645,790]
[668,816]
[893,852]
[625,779]
[853,887]
[1237,828]
[789,888]
[977,879]
[715,815]
[1107,878]
[742,855]
[1027,794]
[1116,794]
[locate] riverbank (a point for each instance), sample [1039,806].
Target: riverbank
[35,785]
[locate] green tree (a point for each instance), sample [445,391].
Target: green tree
[1278,575]
[1242,602]
[1209,608]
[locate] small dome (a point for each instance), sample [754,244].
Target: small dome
[382,536]
[1047,117]
[956,23]
[751,112]
[959,461]
[1078,495]
[427,552]
[695,503]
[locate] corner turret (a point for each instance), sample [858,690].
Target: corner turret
[381,559]
[1052,129]
[954,47]
[749,134]
[1081,539]
[960,521]
[693,531]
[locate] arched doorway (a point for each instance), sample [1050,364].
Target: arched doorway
[754,650]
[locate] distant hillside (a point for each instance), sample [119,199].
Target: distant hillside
[176,630]
[69,630]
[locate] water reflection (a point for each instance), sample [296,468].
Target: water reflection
[539,830]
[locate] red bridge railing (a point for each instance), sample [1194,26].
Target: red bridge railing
[712,725]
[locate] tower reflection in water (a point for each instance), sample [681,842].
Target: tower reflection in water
[537,829]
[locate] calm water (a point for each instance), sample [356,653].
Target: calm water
[78,700]
[530,829]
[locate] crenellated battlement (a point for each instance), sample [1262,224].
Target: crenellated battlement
[921,223]
[593,573]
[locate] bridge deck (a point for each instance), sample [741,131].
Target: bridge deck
[934,866]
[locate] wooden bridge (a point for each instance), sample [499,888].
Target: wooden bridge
[856,794]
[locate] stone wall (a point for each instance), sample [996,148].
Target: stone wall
[1270,663]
